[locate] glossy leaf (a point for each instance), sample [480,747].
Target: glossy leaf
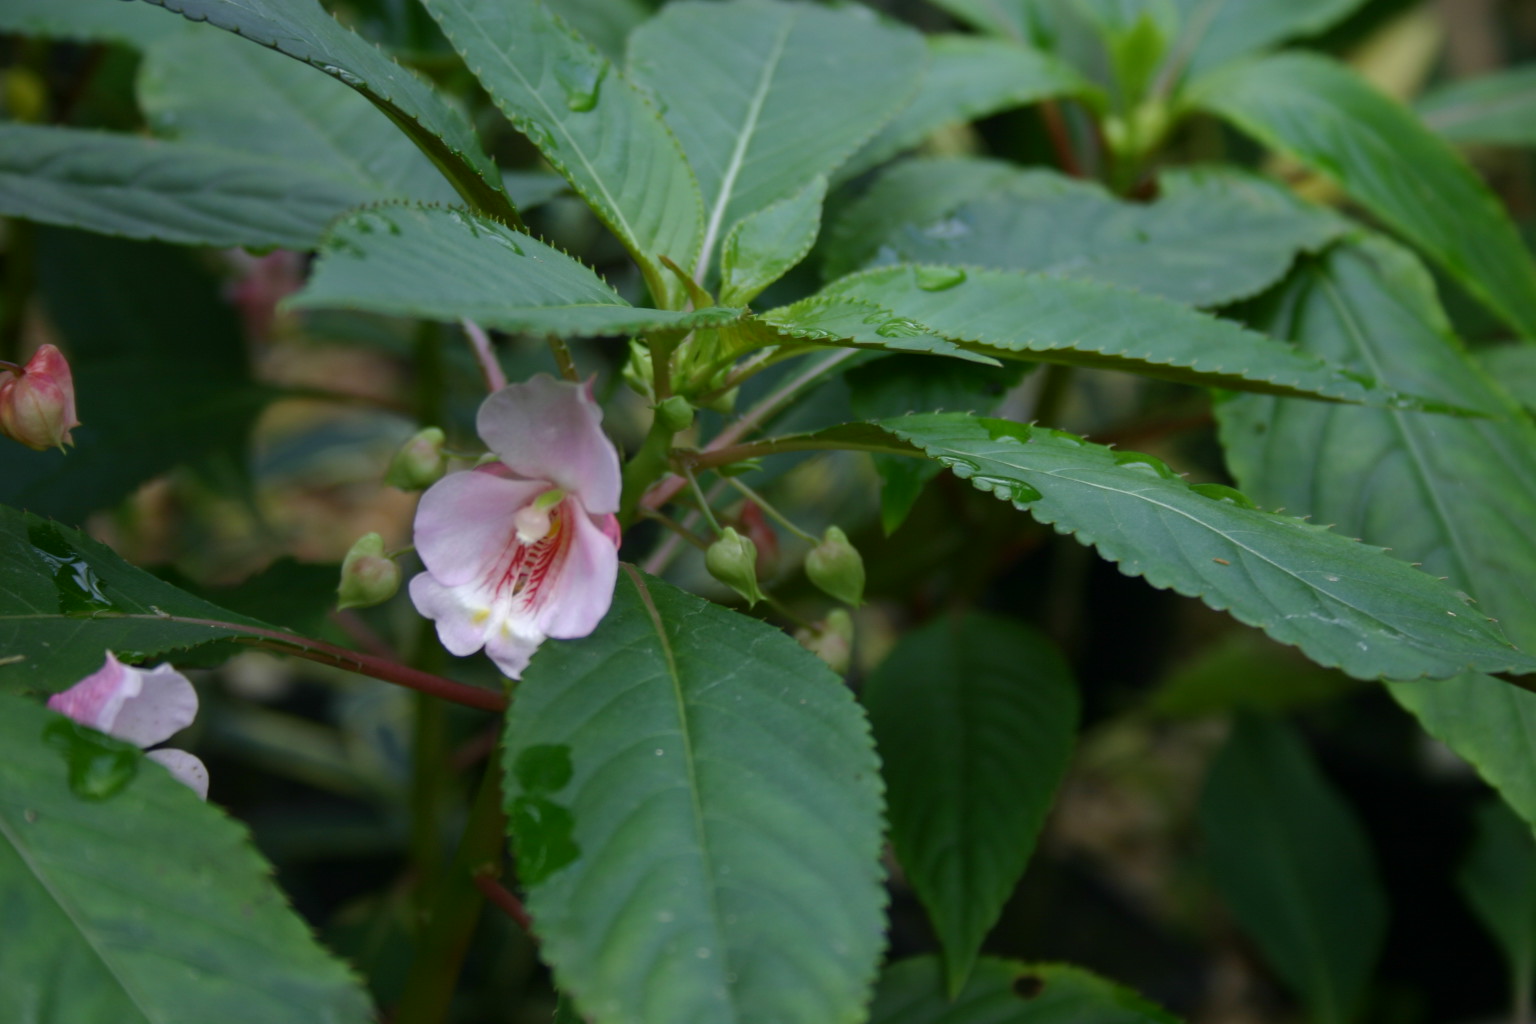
[1294,866]
[921,191]
[975,719]
[774,94]
[764,245]
[1215,32]
[444,264]
[1019,315]
[303,30]
[968,78]
[171,191]
[211,87]
[862,324]
[1007,992]
[1498,879]
[1343,603]
[66,599]
[161,373]
[1499,108]
[129,24]
[1211,237]
[696,807]
[1453,493]
[590,123]
[175,921]
[1325,116]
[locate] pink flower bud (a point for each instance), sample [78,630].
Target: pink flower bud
[37,404]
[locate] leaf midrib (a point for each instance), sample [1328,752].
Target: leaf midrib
[68,910]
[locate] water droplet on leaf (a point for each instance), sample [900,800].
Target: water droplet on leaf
[1140,462]
[542,830]
[77,585]
[938,279]
[1218,492]
[899,328]
[543,768]
[581,81]
[99,766]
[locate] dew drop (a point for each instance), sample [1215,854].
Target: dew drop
[543,831]
[1223,494]
[543,768]
[899,328]
[877,317]
[99,766]
[702,953]
[582,81]
[939,279]
[1140,462]
[74,581]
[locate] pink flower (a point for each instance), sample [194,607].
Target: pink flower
[525,548]
[37,402]
[143,706]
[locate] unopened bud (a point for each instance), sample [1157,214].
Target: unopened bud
[368,576]
[675,414]
[834,565]
[733,561]
[419,463]
[37,403]
[724,404]
[831,640]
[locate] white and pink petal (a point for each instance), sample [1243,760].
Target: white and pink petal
[547,429]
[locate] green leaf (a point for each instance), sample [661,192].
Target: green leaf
[443,264]
[923,190]
[1514,367]
[66,599]
[203,85]
[1499,109]
[590,123]
[1013,314]
[774,94]
[1453,493]
[968,78]
[895,385]
[1343,603]
[303,30]
[1211,238]
[1016,20]
[696,805]
[862,324]
[764,245]
[975,718]
[1007,992]
[146,906]
[1217,31]
[606,24]
[1295,867]
[1324,115]
[122,23]
[160,370]
[172,191]
[1499,881]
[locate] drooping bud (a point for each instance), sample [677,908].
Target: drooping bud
[419,463]
[834,565]
[733,561]
[831,640]
[675,414]
[37,404]
[368,575]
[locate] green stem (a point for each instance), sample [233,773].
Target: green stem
[563,358]
[1055,385]
[714,458]
[704,509]
[429,744]
[434,972]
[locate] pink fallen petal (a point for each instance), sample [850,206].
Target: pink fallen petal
[142,706]
[184,768]
[547,429]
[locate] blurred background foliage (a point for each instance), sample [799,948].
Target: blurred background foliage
[227,442]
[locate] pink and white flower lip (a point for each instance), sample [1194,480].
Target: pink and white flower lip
[525,548]
[142,706]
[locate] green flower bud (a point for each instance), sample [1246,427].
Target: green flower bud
[733,561]
[834,565]
[419,463]
[725,404]
[368,576]
[675,414]
[831,640]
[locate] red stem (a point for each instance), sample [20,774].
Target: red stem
[501,897]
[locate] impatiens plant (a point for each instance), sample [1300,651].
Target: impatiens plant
[754,394]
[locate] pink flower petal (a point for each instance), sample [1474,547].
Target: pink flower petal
[165,705]
[465,523]
[511,651]
[185,768]
[462,614]
[546,429]
[578,595]
[97,699]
